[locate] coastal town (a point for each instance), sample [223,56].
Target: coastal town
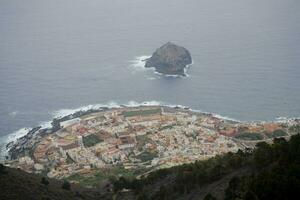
[143,138]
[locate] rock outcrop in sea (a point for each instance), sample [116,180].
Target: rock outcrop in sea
[170,59]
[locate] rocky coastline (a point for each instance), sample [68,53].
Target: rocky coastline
[25,144]
[138,139]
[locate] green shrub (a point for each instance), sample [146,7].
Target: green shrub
[141,112]
[277,133]
[249,136]
[91,140]
[295,129]
[209,197]
[2,169]
[146,156]
[66,185]
[44,181]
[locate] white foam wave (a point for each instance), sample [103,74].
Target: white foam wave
[61,113]
[138,63]
[225,117]
[286,119]
[168,75]
[152,78]
[177,76]
[13,113]
[46,124]
[112,104]
[187,68]
[145,103]
[65,112]
[17,134]
[11,138]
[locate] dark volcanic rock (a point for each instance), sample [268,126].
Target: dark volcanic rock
[170,59]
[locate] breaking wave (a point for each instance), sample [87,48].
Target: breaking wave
[112,104]
[138,64]
[4,140]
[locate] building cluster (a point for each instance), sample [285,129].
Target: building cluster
[149,137]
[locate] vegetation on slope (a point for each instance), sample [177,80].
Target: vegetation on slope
[271,171]
[141,112]
[90,140]
[249,136]
[18,185]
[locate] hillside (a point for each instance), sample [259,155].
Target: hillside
[89,147]
[270,171]
[19,185]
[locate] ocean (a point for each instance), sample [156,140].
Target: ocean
[57,56]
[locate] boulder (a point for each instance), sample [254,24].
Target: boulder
[170,59]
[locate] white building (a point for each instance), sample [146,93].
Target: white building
[67,123]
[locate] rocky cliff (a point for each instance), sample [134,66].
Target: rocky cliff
[170,59]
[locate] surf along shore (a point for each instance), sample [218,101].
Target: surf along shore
[134,140]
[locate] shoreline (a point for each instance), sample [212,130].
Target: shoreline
[68,114]
[135,136]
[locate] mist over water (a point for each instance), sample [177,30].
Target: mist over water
[66,54]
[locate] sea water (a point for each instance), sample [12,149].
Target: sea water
[60,56]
